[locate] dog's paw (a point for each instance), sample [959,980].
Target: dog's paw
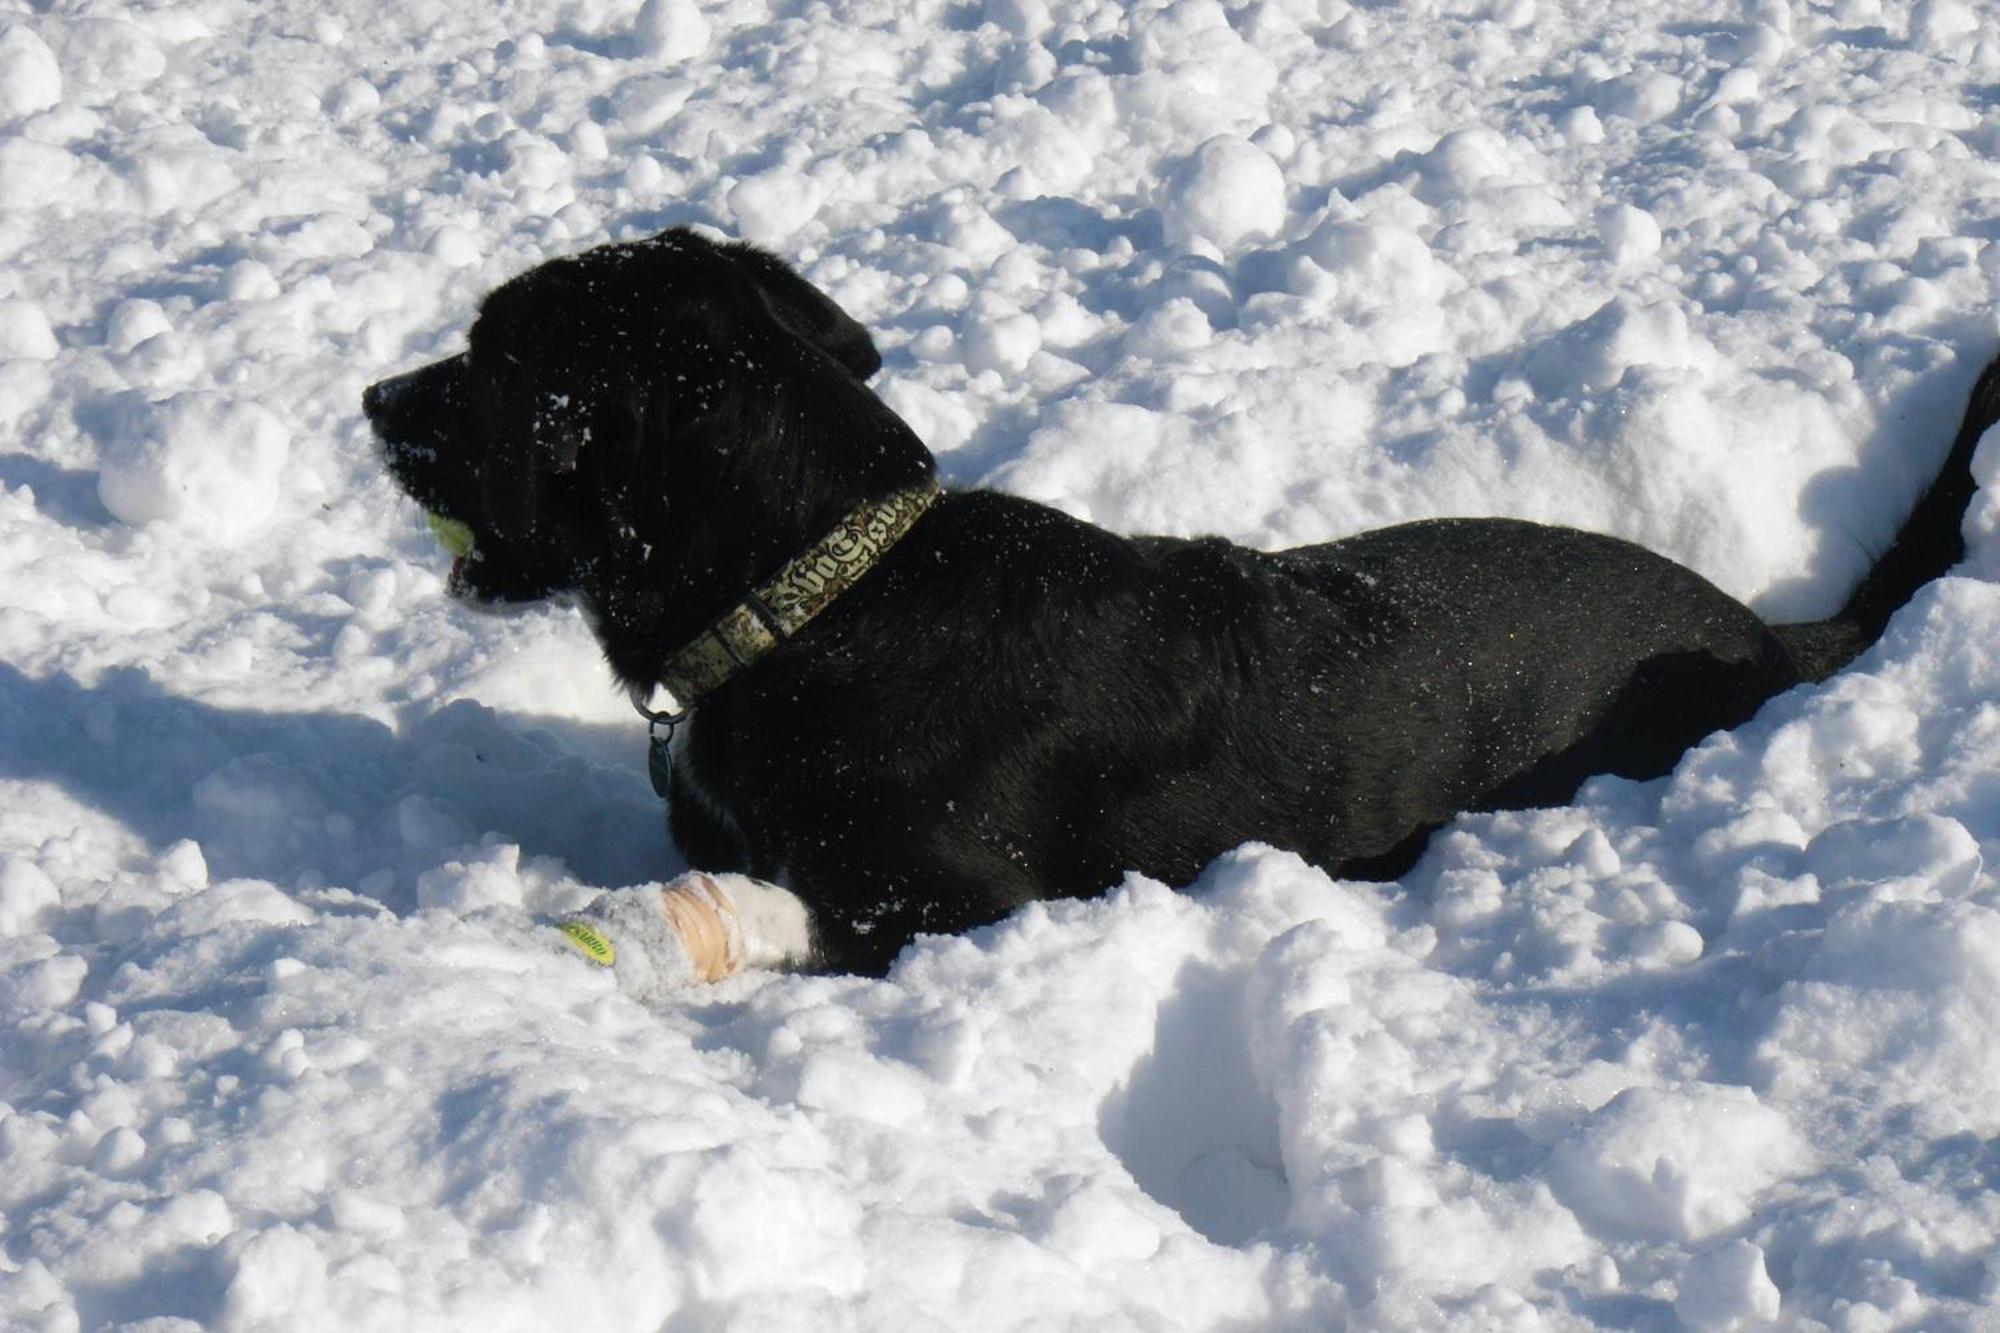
[631,932]
[698,928]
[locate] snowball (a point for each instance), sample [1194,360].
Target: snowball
[102,57]
[770,207]
[33,175]
[201,462]
[1674,1163]
[1644,97]
[119,1151]
[349,1211]
[1171,329]
[670,30]
[30,78]
[1278,141]
[1378,263]
[28,897]
[1774,14]
[250,280]
[1228,193]
[134,321]
[1986,460]
[454,246]
[643,105]
[1981,524]
[352,99]
[279,1279]
[493,880]
[1201,282]
[1942,23]
[1666,944]
[1580,125]
[935,343]
[1738,86]
[183,866]
[1833,134]
[1936,848]
[1460,161]
[25,334]
[1593,354]
[1726,1288]
[1629,234]
[942,421]
[1002,342]
[48,984]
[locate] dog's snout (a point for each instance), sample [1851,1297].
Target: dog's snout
[374,398]
[379,398]
[417,402]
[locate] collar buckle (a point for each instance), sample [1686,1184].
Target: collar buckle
[670,716]
[660,726]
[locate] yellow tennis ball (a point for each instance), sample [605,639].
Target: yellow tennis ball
[453,535]
[588,942]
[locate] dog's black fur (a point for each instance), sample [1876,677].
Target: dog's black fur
[1016,704]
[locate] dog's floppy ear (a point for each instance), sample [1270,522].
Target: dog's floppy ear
[807,311]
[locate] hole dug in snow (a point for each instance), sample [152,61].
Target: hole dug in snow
[1191,1123]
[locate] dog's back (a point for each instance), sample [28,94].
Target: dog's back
[1520,660]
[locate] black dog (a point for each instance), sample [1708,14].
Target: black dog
[1006,703]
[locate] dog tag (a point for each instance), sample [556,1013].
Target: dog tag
[660,765]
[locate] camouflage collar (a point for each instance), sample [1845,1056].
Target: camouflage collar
[780,607]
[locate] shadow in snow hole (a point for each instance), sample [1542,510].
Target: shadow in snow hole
[1192,1125]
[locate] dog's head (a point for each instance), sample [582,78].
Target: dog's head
[614,405]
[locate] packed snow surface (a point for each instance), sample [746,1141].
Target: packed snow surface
[284,1045]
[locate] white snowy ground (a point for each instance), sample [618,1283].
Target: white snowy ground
[282,1047]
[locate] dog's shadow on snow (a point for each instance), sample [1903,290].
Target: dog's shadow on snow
[306,799]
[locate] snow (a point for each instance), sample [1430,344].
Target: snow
[288,1043]
[1726,1288]
[1229,193]
[199,460]
[28,72]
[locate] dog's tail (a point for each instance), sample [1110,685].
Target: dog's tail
[1929,543]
